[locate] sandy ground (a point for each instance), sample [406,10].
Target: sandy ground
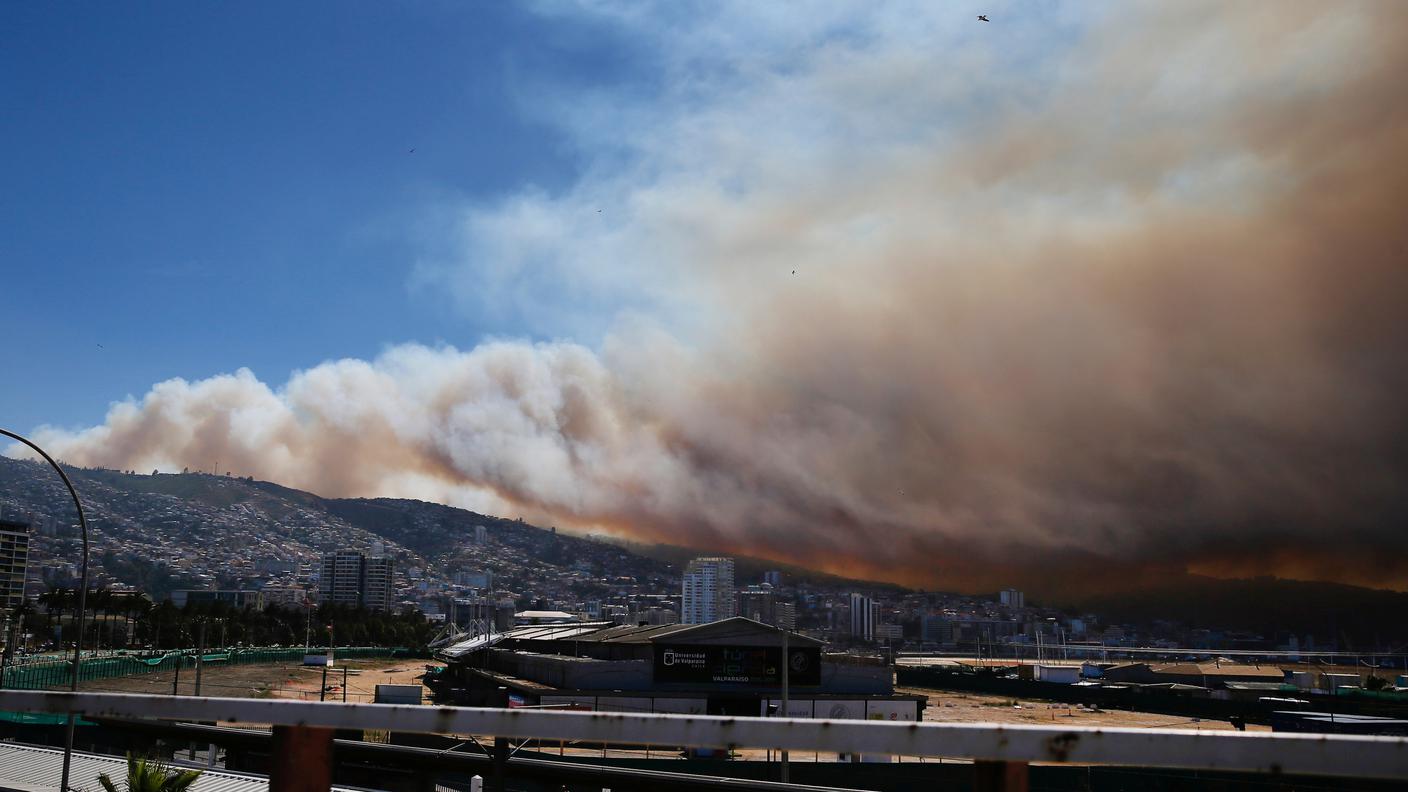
[282,680]
[955,707]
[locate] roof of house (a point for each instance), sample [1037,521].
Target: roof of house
[1220,670]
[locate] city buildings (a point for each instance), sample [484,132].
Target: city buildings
[239,599]
[758,603]
[474,579]
[14,562]
[285,596]
[1012,598]
[865,613]
[786,616]
[376,583]
[708,591]
[351,578]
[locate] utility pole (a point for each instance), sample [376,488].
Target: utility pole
[176,680]
[327,661]
[9,650]
[786,664]
[200,663]
[200,656]
[82,601]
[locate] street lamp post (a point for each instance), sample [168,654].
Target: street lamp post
[82,598]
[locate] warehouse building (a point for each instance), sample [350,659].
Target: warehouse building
[728,667]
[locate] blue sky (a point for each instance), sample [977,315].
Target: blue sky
[200,187]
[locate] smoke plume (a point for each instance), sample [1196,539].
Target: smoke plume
[1048,299]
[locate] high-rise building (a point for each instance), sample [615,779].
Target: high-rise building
[341,581]
[786,616]
[376,583]
[481,534]
[351,578]
[758,603]
[864,614]
[1012,598]
[773,578]
[708,591]
[14,562]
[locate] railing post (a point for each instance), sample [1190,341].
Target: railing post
[302,759]
[989,776]
[498,776]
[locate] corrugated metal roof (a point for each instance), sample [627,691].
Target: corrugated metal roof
[532,632]
[630,634]
[556,632]
[31,767]
[473,644]
[738,629]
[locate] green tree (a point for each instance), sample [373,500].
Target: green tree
[150,775]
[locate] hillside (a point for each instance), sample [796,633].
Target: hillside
[167,531]
[196,530]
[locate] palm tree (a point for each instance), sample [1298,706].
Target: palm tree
[150,775]
[56,602]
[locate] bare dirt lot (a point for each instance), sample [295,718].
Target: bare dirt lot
[280,680]
[956,707]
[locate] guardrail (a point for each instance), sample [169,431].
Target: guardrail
[303,736]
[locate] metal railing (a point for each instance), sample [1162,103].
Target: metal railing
[306,729]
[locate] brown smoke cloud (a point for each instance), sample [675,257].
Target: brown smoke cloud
[1151,318]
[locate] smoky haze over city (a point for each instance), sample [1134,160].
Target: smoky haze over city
[942,306]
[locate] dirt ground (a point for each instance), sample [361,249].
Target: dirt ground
[956,707]
[281,680]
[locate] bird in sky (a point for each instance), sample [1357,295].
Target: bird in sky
[794,272]
[413,151]
[983,18]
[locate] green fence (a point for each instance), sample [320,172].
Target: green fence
[59,673]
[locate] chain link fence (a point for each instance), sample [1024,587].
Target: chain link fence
[59,673]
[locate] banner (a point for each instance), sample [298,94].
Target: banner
[743,665]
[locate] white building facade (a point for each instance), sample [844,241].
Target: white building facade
[709,593]
[864,614]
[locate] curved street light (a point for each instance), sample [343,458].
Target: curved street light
[82,598]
